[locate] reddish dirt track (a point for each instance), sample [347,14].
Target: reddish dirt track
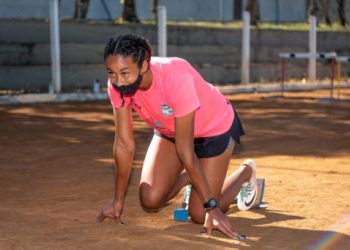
[56,171]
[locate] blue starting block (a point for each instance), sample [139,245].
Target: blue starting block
[261,188]
[181,213]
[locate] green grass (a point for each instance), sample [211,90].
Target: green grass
[304,26]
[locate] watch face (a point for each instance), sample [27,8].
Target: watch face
[212,203]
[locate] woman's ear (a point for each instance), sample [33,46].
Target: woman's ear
[144,67]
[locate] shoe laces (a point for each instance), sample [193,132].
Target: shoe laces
[246,190]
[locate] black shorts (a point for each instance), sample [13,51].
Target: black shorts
[206,147]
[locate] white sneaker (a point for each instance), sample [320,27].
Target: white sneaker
[249,191]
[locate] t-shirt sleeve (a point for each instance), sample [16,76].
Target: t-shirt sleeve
[181,92]
[115,98]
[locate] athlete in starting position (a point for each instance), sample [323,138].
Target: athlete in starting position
[195,130]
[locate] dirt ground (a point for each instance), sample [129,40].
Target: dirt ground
[56,171]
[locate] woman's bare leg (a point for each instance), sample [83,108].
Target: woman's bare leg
[160,174]
[232,186]
[224,189]
[163,176]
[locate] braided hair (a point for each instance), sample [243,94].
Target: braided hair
[129,45]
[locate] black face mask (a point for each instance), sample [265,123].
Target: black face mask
[130,89]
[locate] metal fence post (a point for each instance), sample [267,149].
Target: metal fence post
[312,47]
[245,48]
[55,46]
[162,32]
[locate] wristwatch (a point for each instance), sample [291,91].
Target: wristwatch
[210,204]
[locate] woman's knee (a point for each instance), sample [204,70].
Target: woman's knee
[150,199]
[197,215]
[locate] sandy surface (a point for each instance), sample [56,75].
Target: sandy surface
[56,172]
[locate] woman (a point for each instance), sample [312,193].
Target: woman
[195,129]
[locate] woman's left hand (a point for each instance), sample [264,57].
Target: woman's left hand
[216,220]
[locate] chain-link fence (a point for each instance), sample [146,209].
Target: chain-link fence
[198,10]
[25,44]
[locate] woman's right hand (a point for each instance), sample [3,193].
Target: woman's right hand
[111,210]
[215,219]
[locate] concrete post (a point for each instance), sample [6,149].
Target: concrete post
[55,46]
[312,47]
[245,48]
[162,31]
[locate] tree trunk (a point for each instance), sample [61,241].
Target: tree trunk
[81,8]
[341,12]
[237,15]
[129,12]
[155,10]
[325,11]
[253,8]
[313,8]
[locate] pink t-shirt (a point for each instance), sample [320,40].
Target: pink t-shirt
[178,89]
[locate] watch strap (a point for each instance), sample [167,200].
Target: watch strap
[210,204]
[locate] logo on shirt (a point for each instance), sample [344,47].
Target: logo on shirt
[167,110]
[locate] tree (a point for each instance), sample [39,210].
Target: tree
[237,15]
[253,8]
[129,12]
[80,9]
[155,10]
[314,9]
[342,13]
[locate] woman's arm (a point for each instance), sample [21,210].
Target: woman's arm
[123,150]
[123,153]
[184,131]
